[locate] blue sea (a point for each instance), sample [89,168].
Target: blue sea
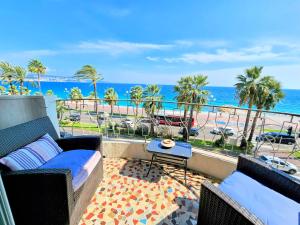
[218,95]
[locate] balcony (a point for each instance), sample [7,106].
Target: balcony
[162,198]
[126,195]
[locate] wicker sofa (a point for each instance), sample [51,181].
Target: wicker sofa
[217,208]
[46,196]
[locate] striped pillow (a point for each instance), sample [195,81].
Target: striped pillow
[33,155]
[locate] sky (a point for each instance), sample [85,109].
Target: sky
[155,41]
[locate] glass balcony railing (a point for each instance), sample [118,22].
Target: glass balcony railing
[219,129]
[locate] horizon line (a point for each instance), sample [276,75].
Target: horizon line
[110,82]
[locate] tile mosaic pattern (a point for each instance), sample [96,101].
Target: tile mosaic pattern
[126,196]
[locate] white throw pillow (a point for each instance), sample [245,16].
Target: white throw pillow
[32,155]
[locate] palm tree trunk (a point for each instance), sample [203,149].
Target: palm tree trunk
[60,116]
[245,132]
[11,88]
[111,109]
[21,88]
[152,123]
[95,93]
[39,83]
[184,124]
[254,125]
[136,110]
[190,123]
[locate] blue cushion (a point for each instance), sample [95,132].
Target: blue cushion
[80,162]
[269,206]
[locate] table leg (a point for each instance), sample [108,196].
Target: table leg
[185,168]
[150,165]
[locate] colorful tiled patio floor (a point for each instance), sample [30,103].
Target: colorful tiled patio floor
[126,196]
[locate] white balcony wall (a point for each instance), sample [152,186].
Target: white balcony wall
[50,102]
[15,110]
[20,109]
[212,164]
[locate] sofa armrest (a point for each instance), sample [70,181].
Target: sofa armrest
[218,208]
[40,196]
[81,142]
[270,177]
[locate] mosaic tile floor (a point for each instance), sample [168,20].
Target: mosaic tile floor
[126,196]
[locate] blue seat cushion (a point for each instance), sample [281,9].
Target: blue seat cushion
[268,205]
[80,162]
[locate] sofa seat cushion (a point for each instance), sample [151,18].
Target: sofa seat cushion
[32,155]
[80,162]
[268,205]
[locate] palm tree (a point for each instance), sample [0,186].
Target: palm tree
[152,102]
[49,92]
[197,97]
[246,92]
[2,90]
[75,95]
[26,91]
[136,96]
[269,93]
[91,95]
[37,67]
[88,72]
[20,75]
[111,97]
[60,109]
[183,98]
[13,90]
[7,75]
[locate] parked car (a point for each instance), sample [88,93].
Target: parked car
[223,130]
[173,120]
[279,164]
[194,131]
[75,117]
[146,120]
[127,123]
[64,134]
[102,117]
[101,120]
[277,137]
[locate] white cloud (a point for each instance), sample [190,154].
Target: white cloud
[256,53]
[219,51]
[154,59]
[288,75]
[178,51]
[201,43]
[50,70]
[258,49]
[284,43]
[119,47]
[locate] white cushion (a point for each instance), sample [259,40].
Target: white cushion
[87,169]
[269,206]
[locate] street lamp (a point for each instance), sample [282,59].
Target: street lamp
[127,96]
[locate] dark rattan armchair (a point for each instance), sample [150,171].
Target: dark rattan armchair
[46,196]
[217,208]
